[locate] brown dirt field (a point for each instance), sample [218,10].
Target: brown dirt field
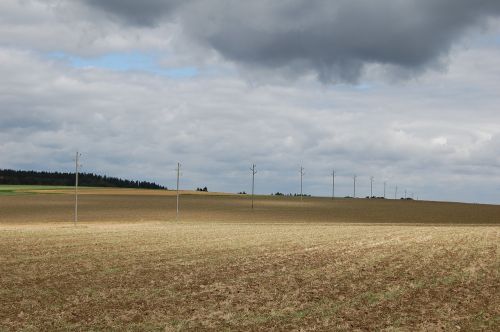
[211,276]
[320,265]
[130,205]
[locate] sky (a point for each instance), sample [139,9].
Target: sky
[406,91]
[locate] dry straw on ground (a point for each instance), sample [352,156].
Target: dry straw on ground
[166,276]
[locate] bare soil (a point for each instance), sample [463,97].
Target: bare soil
[130,205]
[287,266]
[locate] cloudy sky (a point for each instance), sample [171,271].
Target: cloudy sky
[406,91]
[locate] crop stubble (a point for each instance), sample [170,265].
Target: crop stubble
[157,276]
[292,267]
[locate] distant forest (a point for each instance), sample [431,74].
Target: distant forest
[13,177]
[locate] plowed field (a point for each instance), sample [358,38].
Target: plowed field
[314,266]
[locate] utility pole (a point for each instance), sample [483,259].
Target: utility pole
[333,184]
[253,180]
[385,183]
[405,193]
[354,178]
[178,175]
[396,193]
[77,167]
[301,176]
[371,186]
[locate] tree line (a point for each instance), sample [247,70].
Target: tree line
[14,177]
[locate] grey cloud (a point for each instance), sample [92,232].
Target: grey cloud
[138,126]
[74,28]
[336,40]
[144,12]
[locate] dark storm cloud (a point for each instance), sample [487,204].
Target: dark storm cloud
[144,12]
[333,39]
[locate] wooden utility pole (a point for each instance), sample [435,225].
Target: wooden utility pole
[333,184]
[301,176]
[354,193]
[253,181]
[371,186]
[77,167]
[178,175]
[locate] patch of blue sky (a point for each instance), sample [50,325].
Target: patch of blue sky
[487,39]
[360,87]
[183,72]
[132,61]
[363,86]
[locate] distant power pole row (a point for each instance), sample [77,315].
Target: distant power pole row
[254,172]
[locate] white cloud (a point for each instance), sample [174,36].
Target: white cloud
[437,135]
